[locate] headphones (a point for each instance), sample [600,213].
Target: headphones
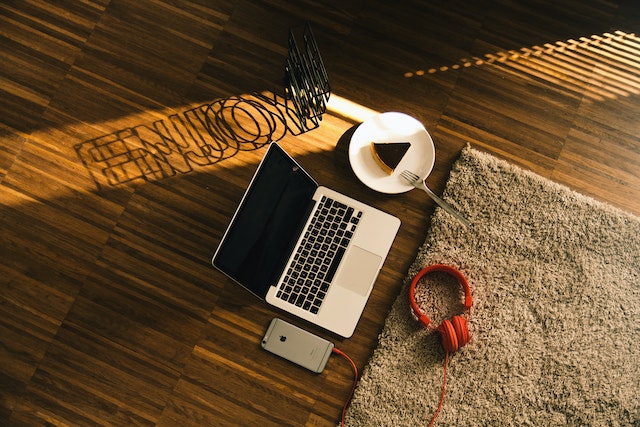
[454,331]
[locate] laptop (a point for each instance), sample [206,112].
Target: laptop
[304,248]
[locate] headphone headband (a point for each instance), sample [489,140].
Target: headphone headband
[441,268]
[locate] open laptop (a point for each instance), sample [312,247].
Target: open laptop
[275,249]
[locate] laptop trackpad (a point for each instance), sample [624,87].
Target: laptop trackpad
[358,270]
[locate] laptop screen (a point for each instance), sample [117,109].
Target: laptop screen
[267,222]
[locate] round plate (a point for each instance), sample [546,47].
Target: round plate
[391,127]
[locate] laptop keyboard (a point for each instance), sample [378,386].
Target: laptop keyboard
[317,257]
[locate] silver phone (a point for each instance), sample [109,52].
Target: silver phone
[297,345]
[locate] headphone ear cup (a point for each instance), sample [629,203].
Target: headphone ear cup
[462,330]
[448,335]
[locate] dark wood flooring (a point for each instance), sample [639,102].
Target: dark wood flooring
[114,189]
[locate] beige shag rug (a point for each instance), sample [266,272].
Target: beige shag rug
[555,323]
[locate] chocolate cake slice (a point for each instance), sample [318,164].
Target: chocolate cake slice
[389,154]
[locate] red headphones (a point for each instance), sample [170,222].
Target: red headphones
[454,332]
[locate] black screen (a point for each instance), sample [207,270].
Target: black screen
[267,223]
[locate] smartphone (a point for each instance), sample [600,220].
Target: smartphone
[297,345]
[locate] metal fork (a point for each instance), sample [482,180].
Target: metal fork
[415,180]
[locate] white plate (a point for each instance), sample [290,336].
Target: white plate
[391,127]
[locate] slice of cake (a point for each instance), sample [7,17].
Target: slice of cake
[389,154]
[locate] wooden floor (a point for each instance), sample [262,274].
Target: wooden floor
[115,188]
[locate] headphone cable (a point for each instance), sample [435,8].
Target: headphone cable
[444,386]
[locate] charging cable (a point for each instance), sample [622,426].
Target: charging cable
[355,380]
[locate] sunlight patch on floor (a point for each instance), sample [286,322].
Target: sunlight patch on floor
[601,67]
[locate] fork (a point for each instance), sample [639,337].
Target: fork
[415,180]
